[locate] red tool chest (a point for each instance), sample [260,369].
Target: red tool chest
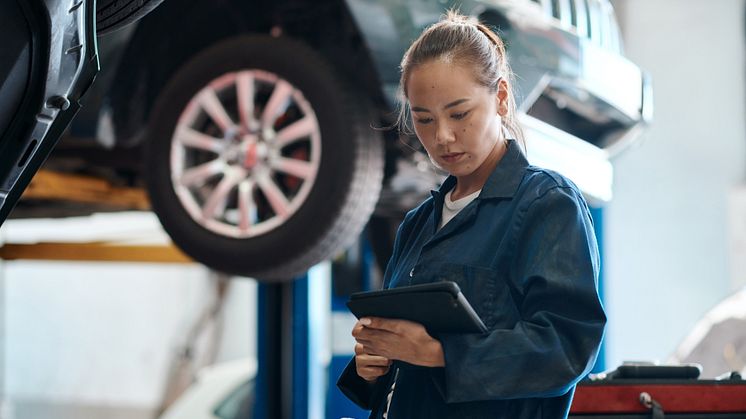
[656,395]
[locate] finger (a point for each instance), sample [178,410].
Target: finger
[371,349]
[378,323]
[371,364]
[371,373]
[372,360]
[377,370]
[361,349]
[397,326]
[360,332]
[379,342]
[379,350]
[368,334]
[357,329]
[365,359]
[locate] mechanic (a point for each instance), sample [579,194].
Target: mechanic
[517,239]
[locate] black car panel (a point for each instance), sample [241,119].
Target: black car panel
[59,41]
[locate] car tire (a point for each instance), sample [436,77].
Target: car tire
[314,223]
[114,14]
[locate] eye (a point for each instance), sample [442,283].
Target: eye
[461,115]
[424,121]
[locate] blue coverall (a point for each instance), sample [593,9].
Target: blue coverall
[525,255]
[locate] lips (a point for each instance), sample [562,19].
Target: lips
[451,157]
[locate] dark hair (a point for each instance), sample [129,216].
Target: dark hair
[461,39]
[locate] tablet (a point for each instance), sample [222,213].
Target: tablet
[439,306]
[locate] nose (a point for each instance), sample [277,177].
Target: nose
[444,134]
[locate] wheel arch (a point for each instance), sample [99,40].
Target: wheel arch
[326,26]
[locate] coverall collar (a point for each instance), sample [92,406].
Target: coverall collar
[504,179]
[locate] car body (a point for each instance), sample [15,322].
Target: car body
[264,131]
[48,62]
[221,391]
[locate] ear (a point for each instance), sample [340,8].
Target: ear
[501,97]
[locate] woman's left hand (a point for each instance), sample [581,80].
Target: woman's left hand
[399,339]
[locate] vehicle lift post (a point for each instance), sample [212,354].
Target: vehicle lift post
[292,347]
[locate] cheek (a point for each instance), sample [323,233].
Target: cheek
[476,139]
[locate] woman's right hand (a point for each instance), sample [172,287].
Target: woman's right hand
[370,366]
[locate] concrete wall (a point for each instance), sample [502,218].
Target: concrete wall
[667,232]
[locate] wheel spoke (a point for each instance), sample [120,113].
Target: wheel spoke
[276,198]
[215,205]
[245,153]
[211,104]
[199,174]
[299,129]
[246,206]
[298,168]
[245,93]
[195,139]
[277,103]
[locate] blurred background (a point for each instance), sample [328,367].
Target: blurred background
[102,317]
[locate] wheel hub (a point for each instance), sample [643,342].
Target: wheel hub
[267,158]
[250,158]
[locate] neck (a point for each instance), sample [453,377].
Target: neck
[475,180]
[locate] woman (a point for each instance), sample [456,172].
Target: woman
[517,239]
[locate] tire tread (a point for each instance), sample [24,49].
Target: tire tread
[113,14]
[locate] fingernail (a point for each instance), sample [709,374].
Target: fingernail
[365,321]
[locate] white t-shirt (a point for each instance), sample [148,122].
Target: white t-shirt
[451,208]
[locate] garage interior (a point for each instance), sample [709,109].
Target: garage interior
[103,316]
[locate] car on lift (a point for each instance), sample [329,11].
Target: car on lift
[48,62]
[261,129]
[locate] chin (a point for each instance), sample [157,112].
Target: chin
[459,171]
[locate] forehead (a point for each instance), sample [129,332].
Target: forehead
[438,81]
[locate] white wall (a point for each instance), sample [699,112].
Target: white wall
[98,339]
[666,230]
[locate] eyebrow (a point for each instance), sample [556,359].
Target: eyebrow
[450,105]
